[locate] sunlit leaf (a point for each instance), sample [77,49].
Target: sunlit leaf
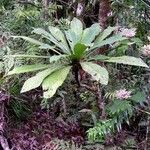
[90,33]
[31,40]
[97,72]
[128,60]
[27,68]
[54,81]
[76,26]
[55,58]
[37,80]
[59,35]
[105,34]
[108,41]
[98,58]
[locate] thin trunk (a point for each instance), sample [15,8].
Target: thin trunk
[45,4]
[104,10]
[100,103]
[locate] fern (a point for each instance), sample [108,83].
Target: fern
[119,111]
[109,95]
[100,130]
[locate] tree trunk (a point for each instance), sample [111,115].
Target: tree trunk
[104,10]
[45,4]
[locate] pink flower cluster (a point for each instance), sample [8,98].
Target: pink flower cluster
[128,32]
[146,50]
[122,94]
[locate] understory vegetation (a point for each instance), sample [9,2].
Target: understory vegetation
[74,74]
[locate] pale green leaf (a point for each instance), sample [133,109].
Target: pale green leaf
[50,37]
[98,58]
[31,40]
[36,42]
[72,38]
[26,56]
[37,80]
[46,46]
[97,72]
[77,26]
[54,81]
[105,34]
[90,33]
[108,41]
[59,35]
[27,68]
[55,58]
[128,60]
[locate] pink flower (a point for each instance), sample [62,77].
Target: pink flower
[128,32]
[122,94]
[110,14]
[146,50]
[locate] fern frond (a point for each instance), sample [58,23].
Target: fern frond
[109,95]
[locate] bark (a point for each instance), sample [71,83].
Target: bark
[100,103]
[104,10]
[45,4]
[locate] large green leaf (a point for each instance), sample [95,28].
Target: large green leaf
[50,37]
[31,40]
[37,80]
[105,34]
[77,27]
[72,38]
[89,34]
[59,35]
[128,60]
[27,56]
[36,42]
[79,50]
[108,41]
[27,68]
[55,58]
[97,72]
[54,81]
[98,58]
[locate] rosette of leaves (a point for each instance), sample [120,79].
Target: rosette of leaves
[74,49]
